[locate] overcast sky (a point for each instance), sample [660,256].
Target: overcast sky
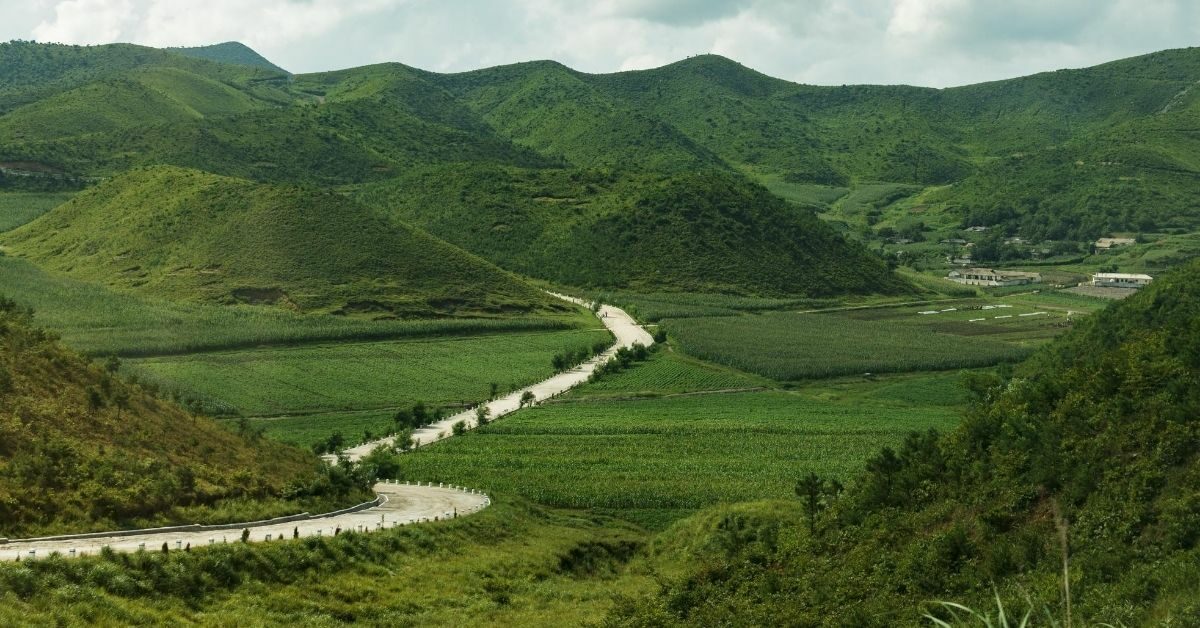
[922,42]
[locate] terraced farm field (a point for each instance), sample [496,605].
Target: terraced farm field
[363,375]
[654,459]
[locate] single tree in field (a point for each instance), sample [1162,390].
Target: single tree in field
[814,493]
[460,428]
[245,535]
[527,399]
[404,419]
[404,439]
[95,399]
[495,391]
[482,414]
[121,400]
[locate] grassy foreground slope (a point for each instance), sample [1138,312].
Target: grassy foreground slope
[705,231]
[1093,438]
[82,449]
[191,235]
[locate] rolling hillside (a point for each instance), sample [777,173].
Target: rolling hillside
[102,452]
[190,235]
[560,113]
[705,231]
[1066,155]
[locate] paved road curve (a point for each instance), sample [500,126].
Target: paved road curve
[623,327]
[398,504]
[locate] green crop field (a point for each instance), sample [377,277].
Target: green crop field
[671,373]
[361,375]
[653,459]
[959,334]
[674,453]
[18,208]
[307,429]
[659,305]
[99,320]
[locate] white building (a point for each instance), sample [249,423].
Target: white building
[990,277]
[1104,244]
[1120,280]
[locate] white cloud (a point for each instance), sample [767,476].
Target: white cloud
[926,42]
[86,22]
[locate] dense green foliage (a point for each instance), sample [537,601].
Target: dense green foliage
[1098,431]
[80,448]
[194,236]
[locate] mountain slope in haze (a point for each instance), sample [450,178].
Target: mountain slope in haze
[33,72]
[1093,438]
[232,52]
[82,449]
[186,234]
[707,231]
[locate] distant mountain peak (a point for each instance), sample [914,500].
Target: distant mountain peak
[233,52]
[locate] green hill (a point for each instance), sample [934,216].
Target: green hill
[232,52]
[560,113]
[707,231]
[191,235]
[33,72]
[143,97]
[167,109]
[1094,437]
[82,449]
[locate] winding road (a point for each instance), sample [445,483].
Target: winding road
[396,504]
[627,333]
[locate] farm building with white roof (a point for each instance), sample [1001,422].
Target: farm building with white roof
[1120,280]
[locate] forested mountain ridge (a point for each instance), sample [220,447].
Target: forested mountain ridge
[1067,155]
